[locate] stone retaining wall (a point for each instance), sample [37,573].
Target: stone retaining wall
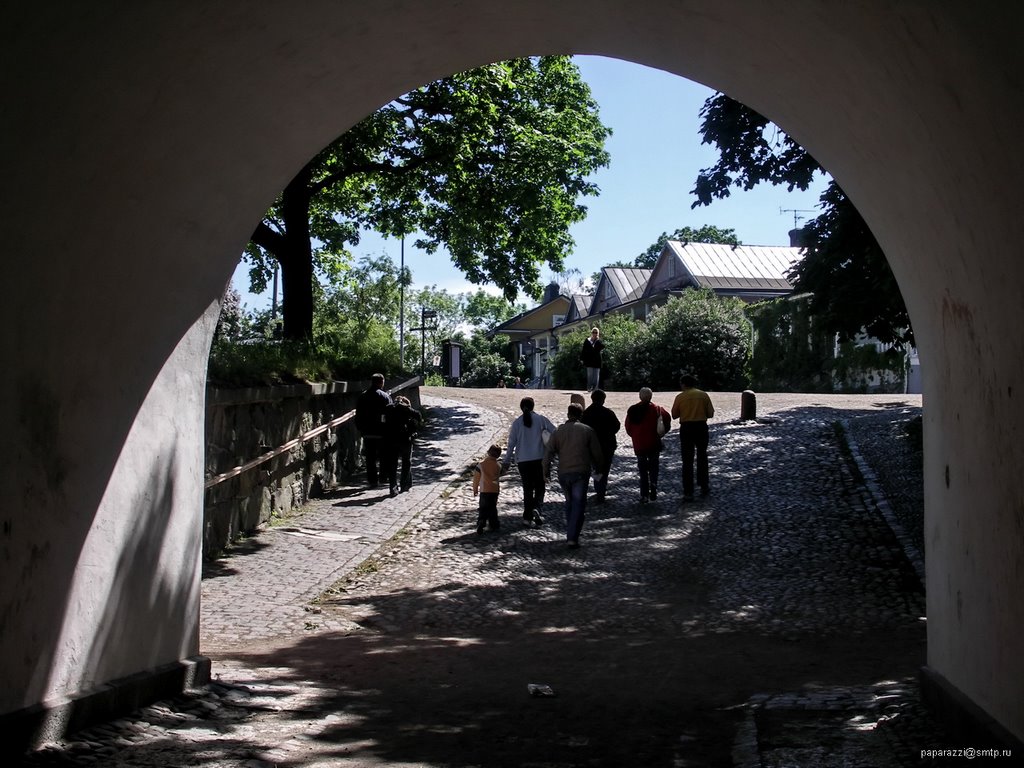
[243,424]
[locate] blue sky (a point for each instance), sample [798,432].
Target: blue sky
[655,156]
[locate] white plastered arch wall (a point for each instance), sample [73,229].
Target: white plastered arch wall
[142,141]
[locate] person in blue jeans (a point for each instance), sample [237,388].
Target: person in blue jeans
[578,450]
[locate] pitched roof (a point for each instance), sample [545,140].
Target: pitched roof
[579,306]
[726,268]
[532,319]
[619,285]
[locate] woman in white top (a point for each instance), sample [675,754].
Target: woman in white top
[526,440]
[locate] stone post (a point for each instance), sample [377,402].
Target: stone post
[748,405]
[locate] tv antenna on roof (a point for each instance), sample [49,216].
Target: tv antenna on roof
[796,215]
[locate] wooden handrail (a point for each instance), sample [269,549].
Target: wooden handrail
[304,437]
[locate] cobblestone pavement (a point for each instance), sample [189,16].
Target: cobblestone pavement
[777,623]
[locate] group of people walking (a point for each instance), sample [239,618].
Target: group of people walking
[388,427]
[584,447]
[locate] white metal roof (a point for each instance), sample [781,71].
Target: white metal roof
[736,268]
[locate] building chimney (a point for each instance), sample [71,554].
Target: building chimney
[551,292]
[798,238]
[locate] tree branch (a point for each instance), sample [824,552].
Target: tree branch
[409,166]
[267,239]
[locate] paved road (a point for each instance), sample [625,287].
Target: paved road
[789,564]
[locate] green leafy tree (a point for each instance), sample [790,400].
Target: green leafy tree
[703,334]
[368,290]
[356,349]
[490,164]
[843,267]
[850,281]
[481,310]
[706,234]
[234,324]
[626,355]
[564,363]
[791,353]
[486,361]
[447,309]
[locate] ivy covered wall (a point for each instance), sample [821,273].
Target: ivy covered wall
[792,355]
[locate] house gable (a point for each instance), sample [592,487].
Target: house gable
[539,318]
[579,307]
[669,273]
[617,286]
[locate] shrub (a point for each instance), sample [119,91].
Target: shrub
[702,334]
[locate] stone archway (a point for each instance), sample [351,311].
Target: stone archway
[148,138]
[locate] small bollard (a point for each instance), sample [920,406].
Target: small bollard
[748,405]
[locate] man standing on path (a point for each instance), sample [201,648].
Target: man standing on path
[693,408]
[578,451]
[606,424]
[370,423]
[590,356]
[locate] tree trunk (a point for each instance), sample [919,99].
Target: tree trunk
[296,259]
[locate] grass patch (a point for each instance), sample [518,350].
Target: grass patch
[371,565]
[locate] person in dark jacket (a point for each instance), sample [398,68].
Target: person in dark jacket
[590,356]
[401,423]
[370,423]
[606,424]
[642,425]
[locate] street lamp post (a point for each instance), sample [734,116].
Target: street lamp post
[425,314]
[401,309]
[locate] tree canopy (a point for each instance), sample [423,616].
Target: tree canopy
[355,331]
[843,267]
[490,164]
[482,310]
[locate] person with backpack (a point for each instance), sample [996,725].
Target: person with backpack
[401,423]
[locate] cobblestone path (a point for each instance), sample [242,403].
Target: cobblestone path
[778,622]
